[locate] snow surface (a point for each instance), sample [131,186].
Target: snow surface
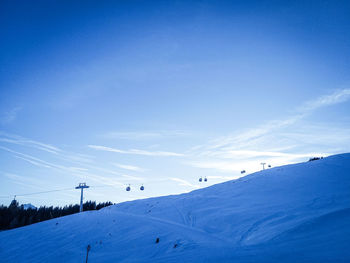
[293,213]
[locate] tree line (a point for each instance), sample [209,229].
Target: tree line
[16,215]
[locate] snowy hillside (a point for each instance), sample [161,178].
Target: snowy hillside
[294,213]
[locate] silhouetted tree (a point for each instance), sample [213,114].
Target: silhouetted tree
[16,216]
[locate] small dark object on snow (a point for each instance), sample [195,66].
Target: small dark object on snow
[315,159]
[87,252]
[243,172]
[56,223]
[157,240]
[175,245]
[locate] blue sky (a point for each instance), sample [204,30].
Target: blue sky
[160,93]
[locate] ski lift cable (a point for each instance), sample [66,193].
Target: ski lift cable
[102,186]
[35,193]
[52,191]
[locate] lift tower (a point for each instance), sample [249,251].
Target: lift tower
[81,186]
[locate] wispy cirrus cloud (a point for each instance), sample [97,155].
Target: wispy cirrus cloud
[37,161]
[183,182]
[72,166]
[245,138]
[336,97]
[129,167]
[131,177]
[246,154]
[85,171]
[143,135]
[274,141]
[222,165]
[15,139]
[29,182]
[134,151]
[75,165]
[23,180]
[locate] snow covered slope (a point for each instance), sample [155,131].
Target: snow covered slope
[294,213]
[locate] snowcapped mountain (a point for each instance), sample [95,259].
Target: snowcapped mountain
[28,206]
[293,213]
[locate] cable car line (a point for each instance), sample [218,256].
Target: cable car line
[64,189]
[35,193]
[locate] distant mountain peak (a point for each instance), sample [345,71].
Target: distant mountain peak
[28,206]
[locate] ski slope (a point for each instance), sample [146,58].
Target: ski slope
[293,213]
